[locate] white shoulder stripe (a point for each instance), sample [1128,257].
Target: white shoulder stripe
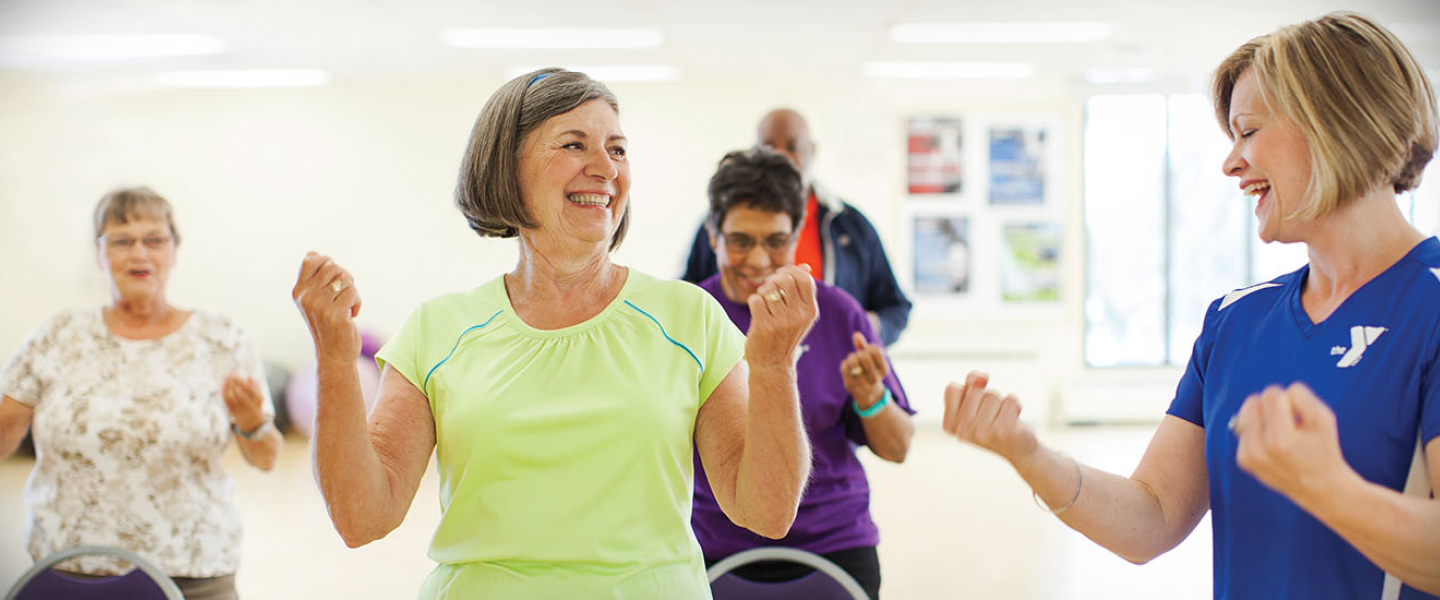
[1416,484]
[1435,272]
[1231,297]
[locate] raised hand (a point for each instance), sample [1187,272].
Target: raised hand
[329,302]
[1289,441]
[244,401]
[781,313]
[982,417]
[864,371]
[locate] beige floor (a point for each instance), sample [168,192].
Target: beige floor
[955,523]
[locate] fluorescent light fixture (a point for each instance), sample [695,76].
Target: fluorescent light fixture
[111,47]
[244,78]
[613,73]
[1111,75]
[538,39]
[998,33]
[948,70]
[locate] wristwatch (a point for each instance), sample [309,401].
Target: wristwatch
[259,430]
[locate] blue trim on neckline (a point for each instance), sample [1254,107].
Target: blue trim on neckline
[667,336]
[426,385]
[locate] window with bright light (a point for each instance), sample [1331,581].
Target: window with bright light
[1167,233]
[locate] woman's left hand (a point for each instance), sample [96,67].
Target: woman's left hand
[864,371]
[244,400]
[781,313]
[1289,441]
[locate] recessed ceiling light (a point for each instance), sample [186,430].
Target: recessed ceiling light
[244,78]
[948,70]
[111,47]
[612,73]
[535,39]
[998,33]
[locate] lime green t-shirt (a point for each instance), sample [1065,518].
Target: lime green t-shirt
[565,455]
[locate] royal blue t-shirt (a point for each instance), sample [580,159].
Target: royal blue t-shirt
[1373,361]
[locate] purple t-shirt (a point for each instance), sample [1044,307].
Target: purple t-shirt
[834,514]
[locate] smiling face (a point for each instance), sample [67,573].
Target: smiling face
[1271,159]
[137,256]
[575,176]
[751,245]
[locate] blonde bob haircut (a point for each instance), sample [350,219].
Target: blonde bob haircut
[1355,92]
[488,189]
[123,204]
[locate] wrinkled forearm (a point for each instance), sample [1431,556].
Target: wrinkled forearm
[775,462]
[1120,514]
[354,482]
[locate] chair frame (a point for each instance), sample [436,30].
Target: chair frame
[795,555]
[167,585]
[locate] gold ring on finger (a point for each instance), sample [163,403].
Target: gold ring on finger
[773,296]
[856,371]
[337,285]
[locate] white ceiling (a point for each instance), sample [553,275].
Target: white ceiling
[364,38]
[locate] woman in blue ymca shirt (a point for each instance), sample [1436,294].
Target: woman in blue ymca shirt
[1311,404]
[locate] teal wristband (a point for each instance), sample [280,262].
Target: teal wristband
[874,409]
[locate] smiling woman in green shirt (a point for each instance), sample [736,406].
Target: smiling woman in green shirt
[563,398]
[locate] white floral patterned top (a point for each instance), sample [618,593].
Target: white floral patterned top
[128,437]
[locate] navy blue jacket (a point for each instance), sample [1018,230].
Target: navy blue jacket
[854,261]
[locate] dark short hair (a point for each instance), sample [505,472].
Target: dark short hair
[121,205]
[488,189]
[757,178]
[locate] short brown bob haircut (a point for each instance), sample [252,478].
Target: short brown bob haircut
[488,190]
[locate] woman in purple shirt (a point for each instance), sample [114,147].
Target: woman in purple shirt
[848,394]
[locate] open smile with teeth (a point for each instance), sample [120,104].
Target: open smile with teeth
[590,199]
[1257,190]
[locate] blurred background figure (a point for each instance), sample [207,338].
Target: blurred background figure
[132,406]
[834,238]
[849,396]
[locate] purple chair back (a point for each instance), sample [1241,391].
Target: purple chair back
[49,585]
[815,586]
[827,582]
[144,582]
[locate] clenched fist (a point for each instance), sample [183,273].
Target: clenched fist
[981,416]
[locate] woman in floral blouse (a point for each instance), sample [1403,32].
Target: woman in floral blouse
[131,407]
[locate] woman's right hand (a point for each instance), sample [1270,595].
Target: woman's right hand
[782,311]
[982,417]
[329,302]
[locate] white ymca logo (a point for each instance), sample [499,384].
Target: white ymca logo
[1361,337]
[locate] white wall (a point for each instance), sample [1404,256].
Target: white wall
[363,170]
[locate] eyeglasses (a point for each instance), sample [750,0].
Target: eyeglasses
[126,244]
[739,243]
